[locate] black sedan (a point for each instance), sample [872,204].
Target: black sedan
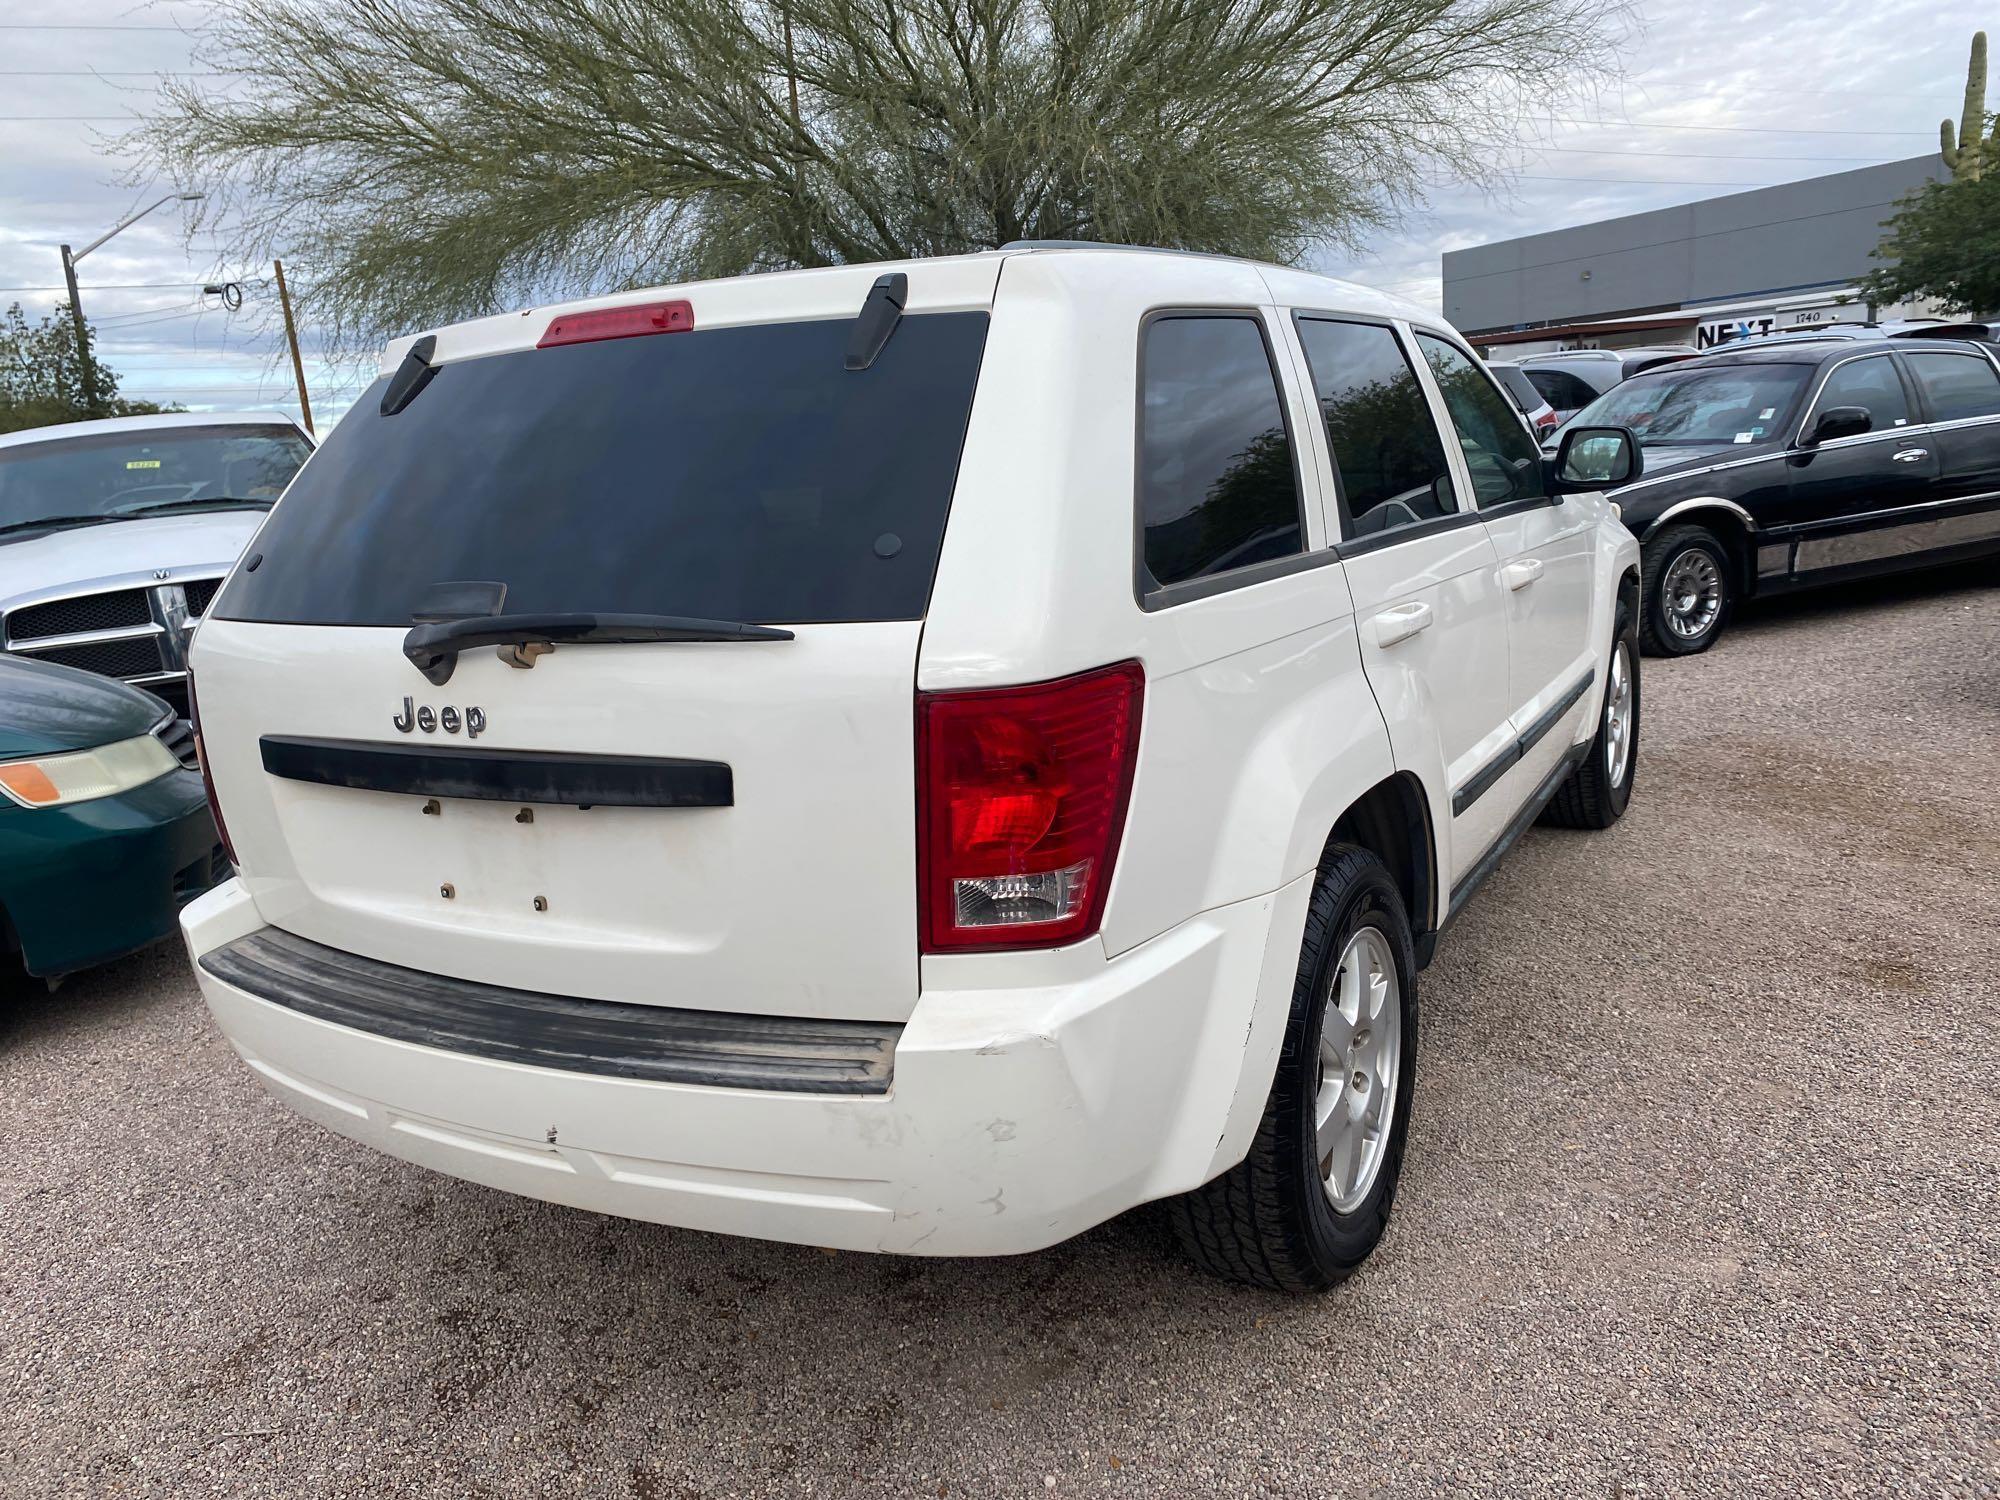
[1795,463]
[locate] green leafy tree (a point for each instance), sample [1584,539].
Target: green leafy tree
[41,378]
[1944,245]
[434,159]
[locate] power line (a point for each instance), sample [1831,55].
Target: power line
[116,286]
[1643,181]
[1725,129]
[80,26]
[1694,155]
[107,73]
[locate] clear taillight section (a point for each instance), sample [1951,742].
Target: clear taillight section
[1021,801]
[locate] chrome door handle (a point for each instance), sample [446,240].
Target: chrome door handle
[1910,455]
[1519,575]
[1400,623]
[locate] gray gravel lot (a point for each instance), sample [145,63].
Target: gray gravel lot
[1701,1200]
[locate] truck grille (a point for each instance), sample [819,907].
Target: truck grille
[137,657]
[140,633]
[117,611]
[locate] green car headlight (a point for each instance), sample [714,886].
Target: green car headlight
[81,775]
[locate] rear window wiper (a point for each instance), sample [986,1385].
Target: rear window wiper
[433,646]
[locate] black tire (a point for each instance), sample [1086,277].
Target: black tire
[1656,636]
[1594,795]
[1268,1221]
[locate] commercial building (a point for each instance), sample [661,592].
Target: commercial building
[1702,273]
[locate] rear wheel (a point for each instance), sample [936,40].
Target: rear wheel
[1309,1202]
[1595,794]
[1690,590]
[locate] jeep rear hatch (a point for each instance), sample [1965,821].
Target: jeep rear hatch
[714,812]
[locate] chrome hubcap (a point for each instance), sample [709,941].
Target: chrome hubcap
[1692,594]
[1618,715]
[1360,1052]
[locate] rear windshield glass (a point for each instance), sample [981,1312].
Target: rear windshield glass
[142,471]
[732,474]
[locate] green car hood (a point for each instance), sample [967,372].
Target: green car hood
[46,709]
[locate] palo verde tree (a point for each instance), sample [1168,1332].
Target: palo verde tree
[431,159]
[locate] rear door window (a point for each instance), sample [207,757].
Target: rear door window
[1218,485]
[1387,454]
[1506,462]
[732,473]
[1957,385]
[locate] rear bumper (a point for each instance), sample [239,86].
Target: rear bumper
[1034,1095]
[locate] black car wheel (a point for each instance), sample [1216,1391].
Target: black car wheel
[1689,591]
[1308,1203]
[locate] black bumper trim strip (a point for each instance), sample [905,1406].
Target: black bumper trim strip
[784,1054]
[542,776]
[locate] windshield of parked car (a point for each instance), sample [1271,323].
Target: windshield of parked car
[737,473]
[1719,404]
[74,481]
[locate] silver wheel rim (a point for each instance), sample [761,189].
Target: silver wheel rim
[1691,594]
[1618,716]
[1360,1055]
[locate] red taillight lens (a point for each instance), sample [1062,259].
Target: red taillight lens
[1020,803]
[619,323]
[1548,422]
[207,781]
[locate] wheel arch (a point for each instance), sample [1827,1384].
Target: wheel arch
[1730,523]
[1392,821]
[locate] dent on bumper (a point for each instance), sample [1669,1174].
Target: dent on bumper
[1018,1116]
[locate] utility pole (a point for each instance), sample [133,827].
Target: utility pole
[91,401]
[86,366]
[292,338]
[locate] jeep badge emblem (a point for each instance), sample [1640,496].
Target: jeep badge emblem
[449,718]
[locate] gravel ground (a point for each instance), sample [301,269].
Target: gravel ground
[1700,1201]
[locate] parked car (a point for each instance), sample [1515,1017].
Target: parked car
[1571,379]
[1542,418]
[104,829]
[1783,464]
[114,535]
[916,758]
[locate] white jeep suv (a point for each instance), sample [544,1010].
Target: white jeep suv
[913,758]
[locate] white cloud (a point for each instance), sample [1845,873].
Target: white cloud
[1781,79]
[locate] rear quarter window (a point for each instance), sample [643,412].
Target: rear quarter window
[734,473]
[1218,486]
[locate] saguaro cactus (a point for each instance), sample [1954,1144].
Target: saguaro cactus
[1963,152]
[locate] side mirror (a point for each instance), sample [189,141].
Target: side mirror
[1595,458]
[1839,422]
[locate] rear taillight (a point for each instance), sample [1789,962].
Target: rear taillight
[1547,423]
[1021,799]
[619,323]
[207,781]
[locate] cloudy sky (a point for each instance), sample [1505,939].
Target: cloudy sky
[1718,94]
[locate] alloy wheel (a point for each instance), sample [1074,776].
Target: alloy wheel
[1360,1053]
